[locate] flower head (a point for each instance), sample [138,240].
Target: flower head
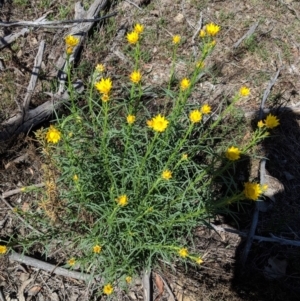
[206,109]
[105,98]
[122,200]
[183,252]
[128,279]
[260,124]
[97,249]
[185,84]
[108,289]
[166,174]
[176,39]
[135,77]
[3,249]
[100,68]
[132,37]
[195,116]
[202,33]
[199,260]
[104,85]
[130,119]
[138,28]
[158,123]
[75,178]
[184,157]
[244,91]
[71,261]
[233,153]
[71,41]
[271,121]
[212,29]
[252,191]
[69,50]
[53,135]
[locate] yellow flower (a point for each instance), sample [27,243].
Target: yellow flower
[206,109]
[97,249]
[199,260]
[158,123]
[183,252]
[128,279]
[3,249]
[202,33]
[184,156]
[195,116]
[135,77]
[71,41]
[166,174]
[176,39]
[122,200]
[100,68]
[71,261]
[260,124]
[233,153]
[104,85]
[185,84]
[23,189]
[271,121]
[75,178]
[138,28]
[212,43]
[264,187]
[105,98]
[212,29]
[69,50]
[53,135]
[244,91]
[132,37]
[150,123]
[130,119]
[200,65]
[252,191]
[108,289]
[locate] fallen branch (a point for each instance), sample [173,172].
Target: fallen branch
[146,285]
[18,190]
[49,267]
[246,35]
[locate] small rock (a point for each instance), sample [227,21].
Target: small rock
[179,18]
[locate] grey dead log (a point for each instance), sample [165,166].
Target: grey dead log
[49,267]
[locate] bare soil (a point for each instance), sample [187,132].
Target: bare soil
[275,43]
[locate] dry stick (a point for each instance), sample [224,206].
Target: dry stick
[48,267]
[246,35]
[5,41]
[146,285]
[54,24]
[34,76]
[18,190]
[132,3]
[19,217]
[195,34]
[273,238]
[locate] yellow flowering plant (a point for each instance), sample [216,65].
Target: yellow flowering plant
[127,181]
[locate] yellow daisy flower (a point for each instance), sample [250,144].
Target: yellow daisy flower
[108,289]
[105,98]
[166,174]
[195,116]
[244,91]
[3,249]
[271,121]
[158,123]
[138,28]
[53,135]
[100,68]
[199,260]
[72,261]
[122,200]
[75,178]
[130,119]
[202,33]
[104,85]
[206,109]
[132,37]
[185,84]
[212,29]
[135,77]
[69,50]
[183,252]
[97,249]
[128,279]
[176,39]
[184,156]
[71,41]
[233,153]
[260,124]
[252,191]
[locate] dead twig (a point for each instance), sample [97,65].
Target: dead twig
[54,24]
[49,267]
[246,35]
[18,190]
[132,3]
[146,285]
[199,26]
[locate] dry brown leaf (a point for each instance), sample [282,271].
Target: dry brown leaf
[160,286]
[34,290]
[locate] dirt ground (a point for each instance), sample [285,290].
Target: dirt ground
[272,270]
